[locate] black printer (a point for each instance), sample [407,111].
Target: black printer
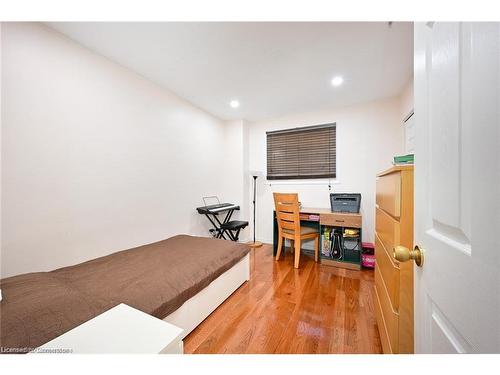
[345,202]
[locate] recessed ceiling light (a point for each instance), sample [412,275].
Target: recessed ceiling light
[234,103]
[337,81]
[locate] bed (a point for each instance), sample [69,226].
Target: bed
[181,280]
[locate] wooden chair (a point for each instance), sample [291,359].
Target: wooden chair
[288,218]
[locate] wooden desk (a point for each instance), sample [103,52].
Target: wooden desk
[321,219]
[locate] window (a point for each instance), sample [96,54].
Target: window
[301,153]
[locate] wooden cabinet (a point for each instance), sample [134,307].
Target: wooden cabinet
[120,330]
[393,280]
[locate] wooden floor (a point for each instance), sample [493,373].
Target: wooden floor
[315,309]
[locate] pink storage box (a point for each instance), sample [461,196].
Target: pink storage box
[368,260]
[368,255]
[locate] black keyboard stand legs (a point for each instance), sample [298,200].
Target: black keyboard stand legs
[233,228]
[228,228]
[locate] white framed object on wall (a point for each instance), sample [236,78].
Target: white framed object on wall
[409,131]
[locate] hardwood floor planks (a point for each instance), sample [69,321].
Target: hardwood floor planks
[313,309]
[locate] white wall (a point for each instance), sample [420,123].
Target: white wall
[406,107]
[95,158]
[368,136]
[406,100]
[235,171]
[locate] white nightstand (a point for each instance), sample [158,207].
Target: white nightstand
[121,329]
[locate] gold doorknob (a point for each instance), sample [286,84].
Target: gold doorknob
[403,254]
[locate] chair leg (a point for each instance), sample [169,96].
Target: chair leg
[297,252]
[280,245]
[316,249]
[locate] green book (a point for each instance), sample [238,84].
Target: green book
[404,159]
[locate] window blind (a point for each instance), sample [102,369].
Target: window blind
[300,153]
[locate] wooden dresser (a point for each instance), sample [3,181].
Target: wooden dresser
[394,280]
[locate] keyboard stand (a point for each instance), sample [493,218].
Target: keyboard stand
[227,230]
[218,226]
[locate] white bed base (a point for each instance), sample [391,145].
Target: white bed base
[197,308]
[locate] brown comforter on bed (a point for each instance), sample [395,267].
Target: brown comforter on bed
[156,278]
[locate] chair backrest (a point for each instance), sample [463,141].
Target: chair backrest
[287,211]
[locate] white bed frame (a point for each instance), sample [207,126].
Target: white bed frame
[197,308]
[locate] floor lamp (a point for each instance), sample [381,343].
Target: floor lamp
[255,175]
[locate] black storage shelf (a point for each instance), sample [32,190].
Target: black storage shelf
[352,255]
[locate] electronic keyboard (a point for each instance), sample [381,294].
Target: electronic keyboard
[224,229]
[215,208]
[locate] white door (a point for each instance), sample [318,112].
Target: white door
[457,187]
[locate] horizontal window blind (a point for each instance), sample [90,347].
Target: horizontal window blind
[301,153]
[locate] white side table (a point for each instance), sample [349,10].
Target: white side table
[121,329]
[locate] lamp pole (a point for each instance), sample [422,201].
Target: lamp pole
[254,243]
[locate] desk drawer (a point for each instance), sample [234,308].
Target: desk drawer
[341,220]
[387,229]
[389,193]
[389,272]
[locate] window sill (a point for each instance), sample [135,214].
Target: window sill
[324,182]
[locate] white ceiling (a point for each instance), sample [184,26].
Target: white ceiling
[272,68]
